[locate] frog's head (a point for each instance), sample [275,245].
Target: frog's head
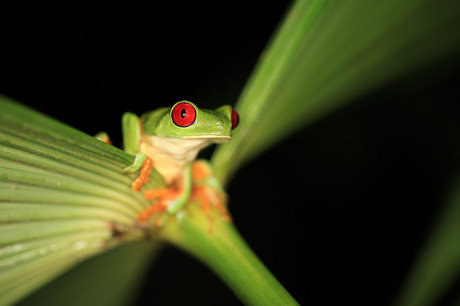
[185,120]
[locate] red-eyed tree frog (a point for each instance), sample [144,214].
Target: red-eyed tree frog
[169,139]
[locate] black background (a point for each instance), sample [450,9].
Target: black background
[337,212]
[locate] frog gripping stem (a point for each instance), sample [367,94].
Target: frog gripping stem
[173,137]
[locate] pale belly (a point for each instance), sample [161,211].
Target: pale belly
[170,156]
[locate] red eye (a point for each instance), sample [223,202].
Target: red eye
[183,114]
[235,119]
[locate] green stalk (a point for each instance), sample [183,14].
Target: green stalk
[218,244]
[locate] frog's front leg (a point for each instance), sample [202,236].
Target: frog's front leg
[144,162]
[131,128]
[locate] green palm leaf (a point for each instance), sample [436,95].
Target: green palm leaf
[61,192]
[63,200]
[325,54]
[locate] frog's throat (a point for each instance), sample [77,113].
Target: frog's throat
[171,155]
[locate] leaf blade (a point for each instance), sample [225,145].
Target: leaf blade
[438,263]
[76,289]
[63,199]
[349,48]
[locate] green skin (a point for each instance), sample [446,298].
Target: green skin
[173,148]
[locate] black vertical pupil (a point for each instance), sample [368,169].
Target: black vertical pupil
[183,113]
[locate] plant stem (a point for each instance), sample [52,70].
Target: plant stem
[218,244]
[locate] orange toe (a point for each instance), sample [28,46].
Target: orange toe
[163,197]
[145,215]
[200,170]
[207,196]
[157,193]
[143,178]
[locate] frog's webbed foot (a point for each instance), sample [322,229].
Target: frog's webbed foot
[165,198]
[209,196]
[208,191]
